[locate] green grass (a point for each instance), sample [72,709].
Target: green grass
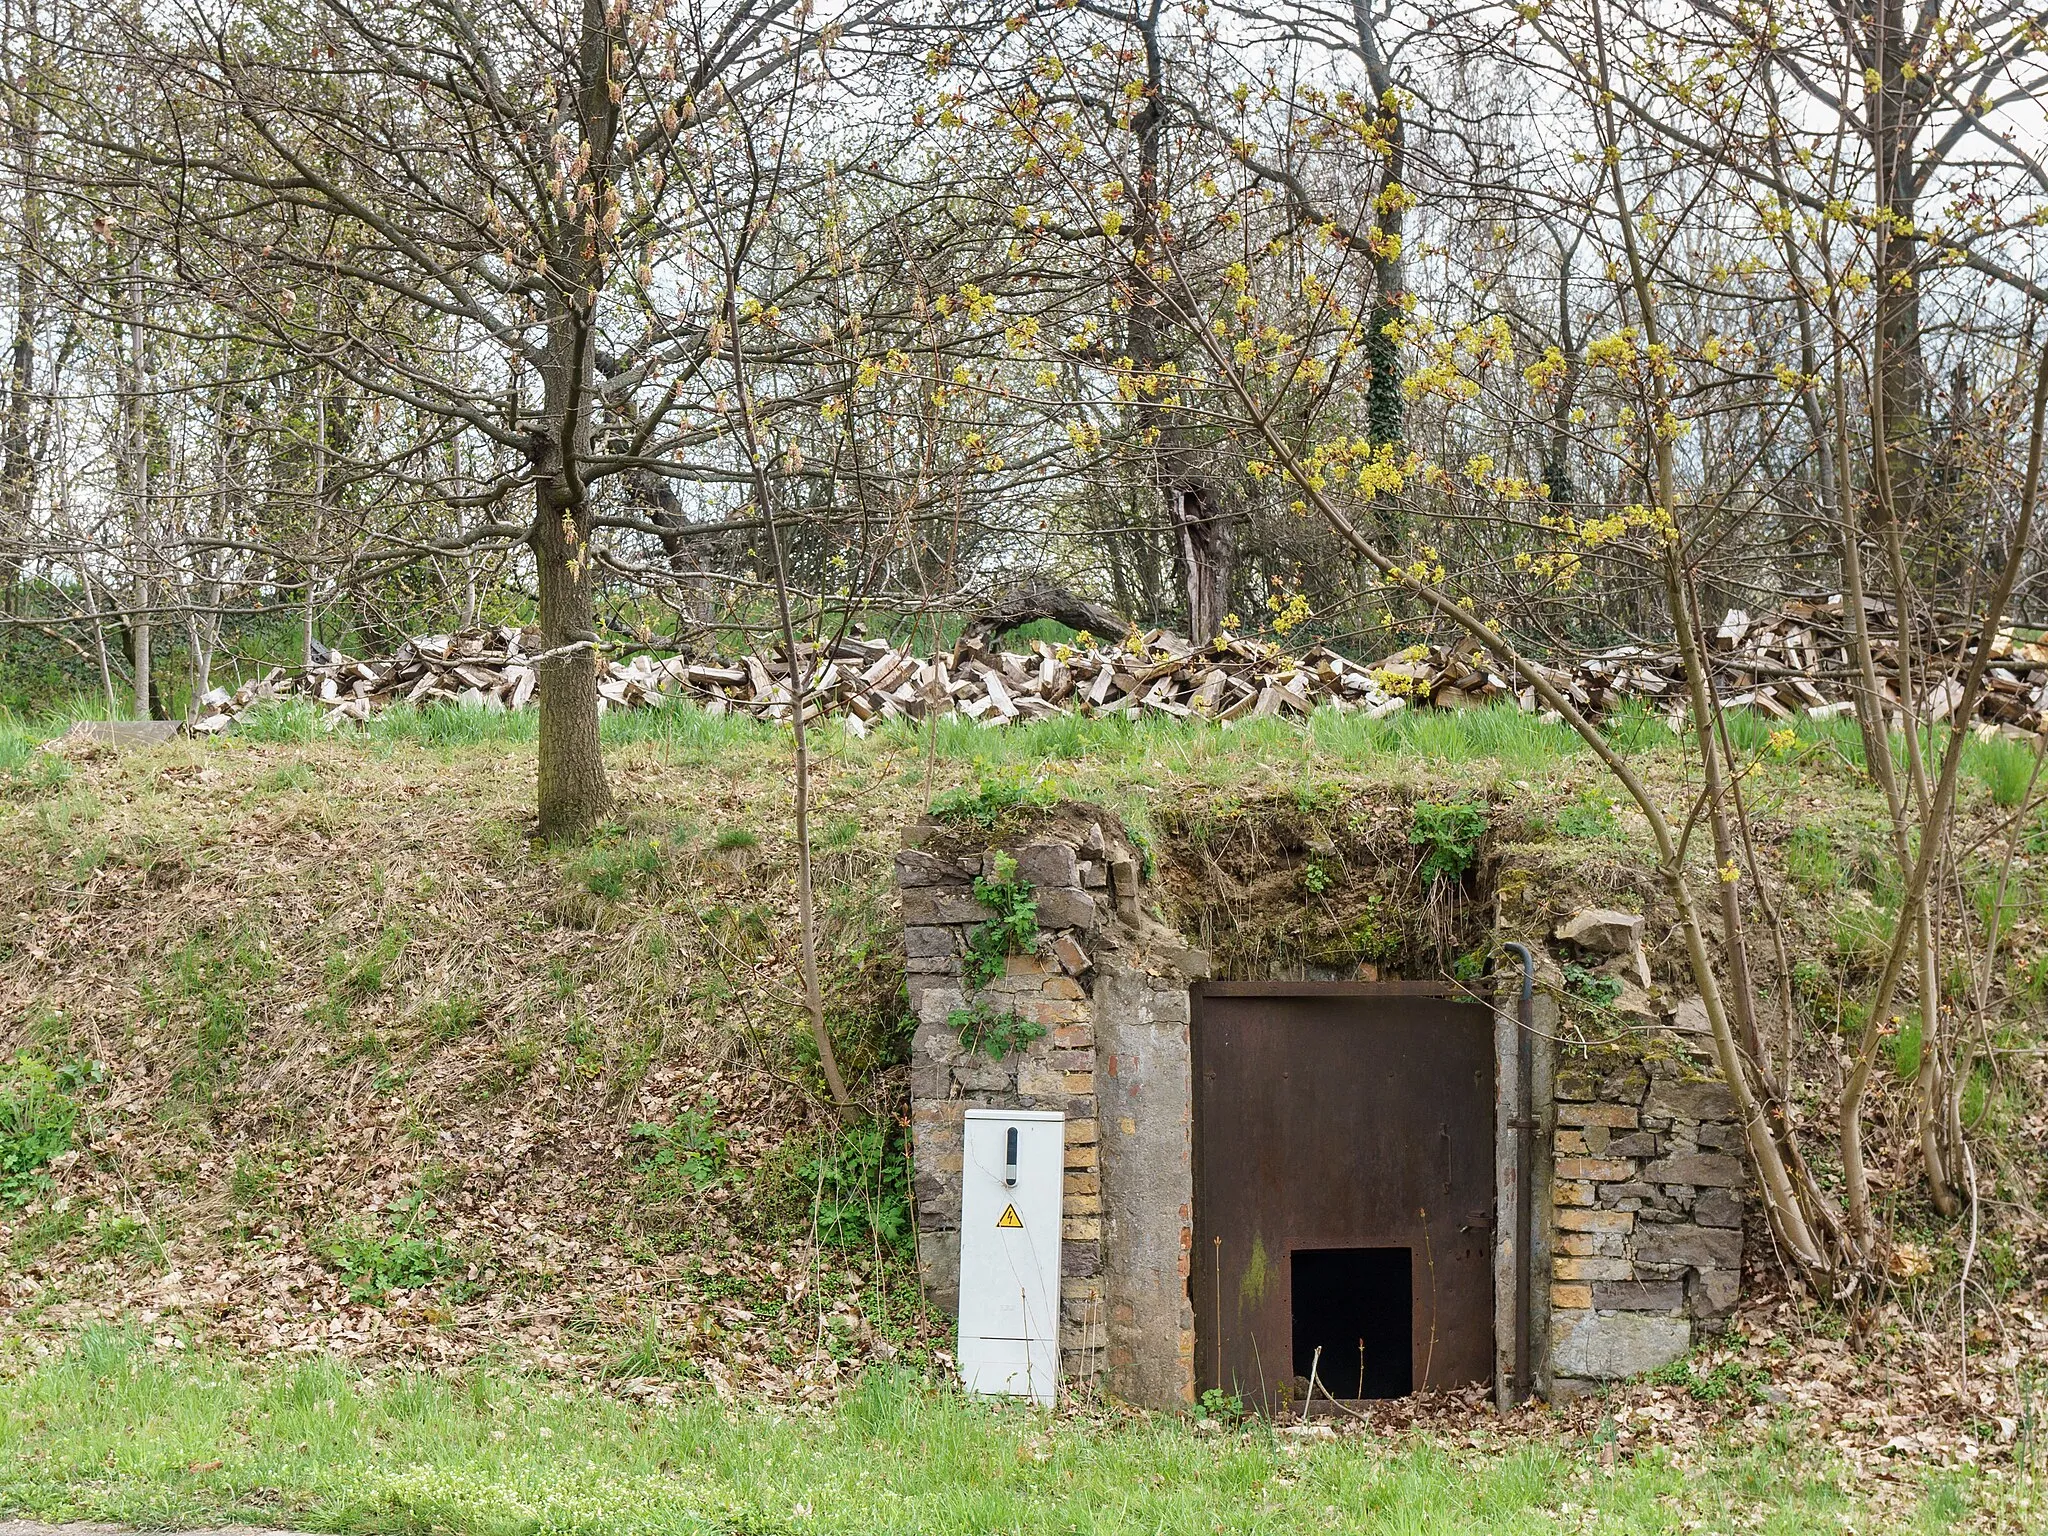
[1501,734]
[112,1432]
[1513,743]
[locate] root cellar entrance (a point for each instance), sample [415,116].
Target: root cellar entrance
[1344,1189]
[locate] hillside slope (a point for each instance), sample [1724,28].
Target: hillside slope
[355,1066]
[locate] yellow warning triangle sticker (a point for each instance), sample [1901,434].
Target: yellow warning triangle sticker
[1009,1218]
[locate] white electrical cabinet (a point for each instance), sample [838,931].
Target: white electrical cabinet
[1011,1178]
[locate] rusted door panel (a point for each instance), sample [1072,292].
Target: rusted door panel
[1335,1116]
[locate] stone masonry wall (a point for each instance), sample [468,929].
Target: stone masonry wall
[1646,1194]
[1637,1184]
[1101,967]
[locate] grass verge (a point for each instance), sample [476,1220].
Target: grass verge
[114,1432]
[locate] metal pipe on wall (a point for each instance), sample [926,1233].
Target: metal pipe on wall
[1523,1123]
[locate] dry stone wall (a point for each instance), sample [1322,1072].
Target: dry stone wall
[1646,1176]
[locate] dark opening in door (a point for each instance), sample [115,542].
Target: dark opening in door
[1356,1306]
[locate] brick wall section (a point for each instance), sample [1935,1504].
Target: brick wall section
[1646,1246]
[1085,875]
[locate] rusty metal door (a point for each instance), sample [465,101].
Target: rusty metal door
[1342,1124]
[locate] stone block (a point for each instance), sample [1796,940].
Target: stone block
[1620,1195]
[1589,1269]
[1689,1016]
[1065,988]
[1078,1183]
[1714,1169]
[1081,1133]
[1080,1229]
[1180,960]
[1123,878]
[922,942]
[1072,957]
[1693,1099]
[1570,1192]
[1568,1297]
[938,1266]
[1040,1080]
[1599,1170]
[1635,1144]
[1066,908]
[1602,930]
[915,868]
[937,1002]
[1576,1245]
[1046,864]
[1614,1116]
[1080,1037]
[985,1077]
[1050,1011]
[1713,1293]
[1094,875]
[1571,1144]
[1719,1136]
[1624,1085]
[1703,1247]
[935,905]
[932,967]
[1082,1158]
[1596,1221]
[1081,1258]
[1717,1208]
[1639,1295]
[1607,1346]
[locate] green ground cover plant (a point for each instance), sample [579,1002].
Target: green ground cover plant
[112,1432]
[37,1113]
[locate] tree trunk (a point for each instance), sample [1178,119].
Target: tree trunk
[18,473]
[1893,130]
[145,674]
[1027,601]
[573,791]
[309,610]
[574,794]
[1206,537]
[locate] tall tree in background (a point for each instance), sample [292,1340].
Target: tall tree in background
[506,186]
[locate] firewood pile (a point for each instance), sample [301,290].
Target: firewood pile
[1790,663]
[1798,662]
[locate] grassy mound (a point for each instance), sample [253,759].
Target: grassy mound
[311,1049]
